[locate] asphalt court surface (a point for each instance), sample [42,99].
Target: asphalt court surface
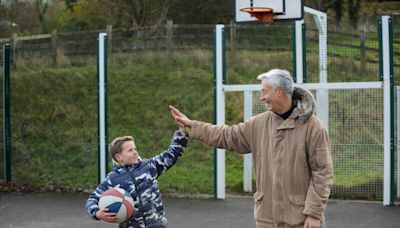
[60,210]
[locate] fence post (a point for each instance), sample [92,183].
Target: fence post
[248,158]
[14,50]
[232,36]
[386,72]
[109,39]
[299,52]
[362,49]
[398,139]
[219,108]
[102,104]
[54,46]
[170,33]
[6,113]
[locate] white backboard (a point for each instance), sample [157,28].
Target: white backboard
[282,9]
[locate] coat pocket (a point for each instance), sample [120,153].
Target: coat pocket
[295,215]
[258,205]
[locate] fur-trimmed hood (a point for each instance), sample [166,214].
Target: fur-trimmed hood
[305,103]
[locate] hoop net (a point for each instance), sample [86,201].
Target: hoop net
[263,14]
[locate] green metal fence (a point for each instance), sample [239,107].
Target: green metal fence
[54,101]
[396,71]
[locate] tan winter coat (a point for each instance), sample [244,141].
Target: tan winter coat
[292,158]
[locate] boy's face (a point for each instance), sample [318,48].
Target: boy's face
[129,154]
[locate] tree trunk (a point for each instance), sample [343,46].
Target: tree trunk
[338,11]
[353,10]
[41,9]
[322,5]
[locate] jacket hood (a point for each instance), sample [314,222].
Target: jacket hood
[305,103]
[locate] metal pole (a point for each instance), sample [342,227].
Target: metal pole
[299,52]
[102,104]
[6,113]
[220,107]
[398,140]
[320,19]
[248,158]
[387,74]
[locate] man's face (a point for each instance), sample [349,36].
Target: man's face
[270,97]
[129,154]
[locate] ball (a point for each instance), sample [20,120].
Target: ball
[118,201]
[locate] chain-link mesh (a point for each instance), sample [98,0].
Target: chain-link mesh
[53,115]
[352,54]
[54,103]
[145,79]
[54,100]
[356,134]
[253,49]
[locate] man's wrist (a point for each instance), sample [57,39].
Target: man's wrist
[313,217]
[313,213]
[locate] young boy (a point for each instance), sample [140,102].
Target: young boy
[139,177]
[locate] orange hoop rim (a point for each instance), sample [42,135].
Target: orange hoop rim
[263,14]
[256,9]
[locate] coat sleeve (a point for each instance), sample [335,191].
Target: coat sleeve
[92,203]
[169,157]
[235,137]
[321,169]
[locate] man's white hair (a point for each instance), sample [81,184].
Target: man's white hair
[279,77]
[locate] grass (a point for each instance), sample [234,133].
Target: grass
[350,164]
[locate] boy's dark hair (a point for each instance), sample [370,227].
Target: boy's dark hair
[115,146]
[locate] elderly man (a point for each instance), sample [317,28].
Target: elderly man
[291,153]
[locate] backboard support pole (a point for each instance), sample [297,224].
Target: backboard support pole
[322,98]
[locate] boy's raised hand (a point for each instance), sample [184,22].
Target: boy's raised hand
[180,118]
[102,214]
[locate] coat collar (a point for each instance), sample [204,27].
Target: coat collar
[123,169]
[304,110]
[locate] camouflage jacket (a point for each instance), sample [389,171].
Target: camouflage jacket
[141,181]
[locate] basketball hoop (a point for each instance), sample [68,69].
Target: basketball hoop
[263,14]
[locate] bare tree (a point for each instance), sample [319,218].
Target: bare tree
[353,11]
[70,4]
[321,5]
[338,8]
[140,13]
[202,12]
[41,9]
